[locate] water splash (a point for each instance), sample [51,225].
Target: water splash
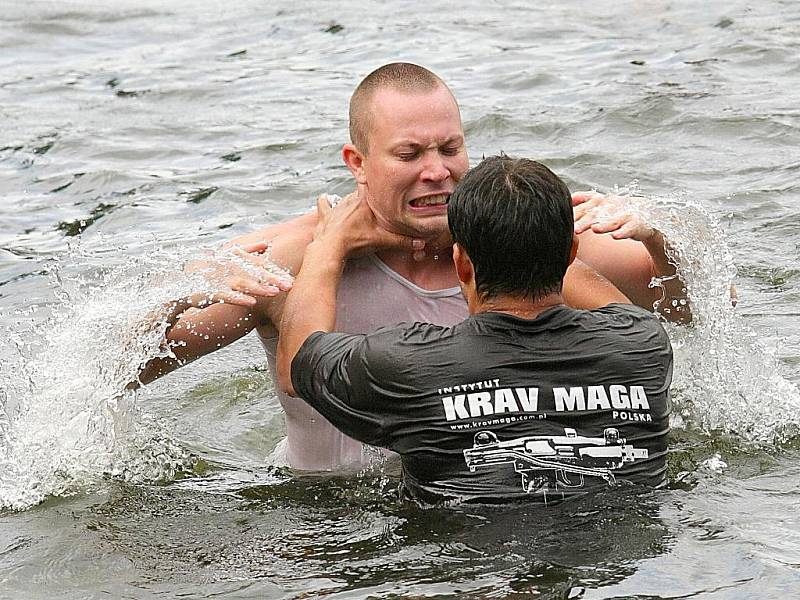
[726,381]
[66,419]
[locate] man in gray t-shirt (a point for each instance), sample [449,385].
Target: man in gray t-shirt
[525,399]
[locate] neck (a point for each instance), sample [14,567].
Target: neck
[433,271]
[516,306]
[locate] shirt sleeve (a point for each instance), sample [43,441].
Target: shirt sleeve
[330,372]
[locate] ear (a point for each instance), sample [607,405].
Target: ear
[574,250]
[355,162]
[464,268]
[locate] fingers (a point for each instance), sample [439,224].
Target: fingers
[235,298]
[413,245]
[255,269]
[250,247]
[242,286]
[283,282]
[586,210]
[255,247]
[611,224]
[324,206]
[386,240]
[241,292]
[252,287]
[585,215]
[583,223]
[625,226]
[579,198]
[630,230]
[202,300]
[608,214]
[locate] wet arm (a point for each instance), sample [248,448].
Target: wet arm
[673,300]
[196,328]
[195,332]
[585,288]
[310,306]
[631,266]
[619,243]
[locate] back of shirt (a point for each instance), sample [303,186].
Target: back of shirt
[499,408]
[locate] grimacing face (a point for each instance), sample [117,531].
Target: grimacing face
[416,156]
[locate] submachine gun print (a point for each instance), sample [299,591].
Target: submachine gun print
[556,459]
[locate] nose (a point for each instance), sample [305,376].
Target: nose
[434,168]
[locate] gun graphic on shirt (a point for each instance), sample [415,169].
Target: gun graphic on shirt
[559,456]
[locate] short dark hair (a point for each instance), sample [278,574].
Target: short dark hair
[514,219]
[405,77]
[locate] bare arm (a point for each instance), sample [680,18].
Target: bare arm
[348,230]
[621,246]
[195,332]
[311,308]
[585,288]
[201,324]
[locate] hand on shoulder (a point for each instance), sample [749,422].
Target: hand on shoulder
[608,213]
[241,274]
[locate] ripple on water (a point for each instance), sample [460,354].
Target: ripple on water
[300,532]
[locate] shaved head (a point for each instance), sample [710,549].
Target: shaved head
[401,77]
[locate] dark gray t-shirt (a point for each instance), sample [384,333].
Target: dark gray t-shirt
[498,408]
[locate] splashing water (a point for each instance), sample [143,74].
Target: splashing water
[66,419]
[726,381]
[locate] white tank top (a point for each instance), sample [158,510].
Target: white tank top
[370,295]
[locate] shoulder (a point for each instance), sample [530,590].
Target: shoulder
[304,222]
[287,246]
[394,348]
[287,240]
[408,335]
[632,324]
[625,313]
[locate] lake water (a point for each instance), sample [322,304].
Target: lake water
[134,135]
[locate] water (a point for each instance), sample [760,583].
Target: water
[135,135]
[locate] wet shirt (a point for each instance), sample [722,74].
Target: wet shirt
[370,295]
[498,408]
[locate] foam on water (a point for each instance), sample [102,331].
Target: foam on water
[66,419]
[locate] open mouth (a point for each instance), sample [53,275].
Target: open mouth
[430,201]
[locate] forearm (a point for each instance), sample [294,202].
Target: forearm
[194,332]
[674,303]
[310,306]
[587,289]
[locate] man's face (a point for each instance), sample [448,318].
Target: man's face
[416,156]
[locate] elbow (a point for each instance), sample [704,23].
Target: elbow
[152,370]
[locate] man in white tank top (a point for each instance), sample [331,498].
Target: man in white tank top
[371,294]
[407,153]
